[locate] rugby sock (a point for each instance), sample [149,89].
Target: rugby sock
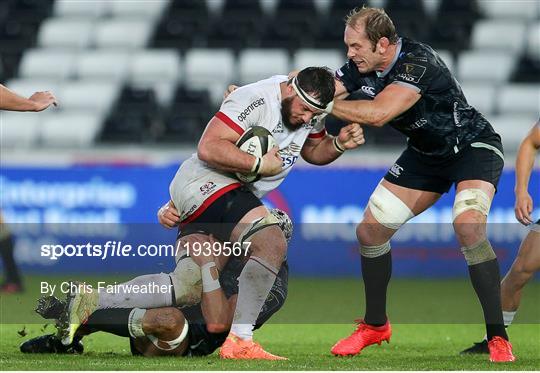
[132,294]
[486,279]
[115,321]
[376,273]
[254,285]
[10,267]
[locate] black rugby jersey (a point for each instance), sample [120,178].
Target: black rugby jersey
[441,123]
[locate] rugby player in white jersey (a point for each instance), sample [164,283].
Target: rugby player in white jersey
[211,201]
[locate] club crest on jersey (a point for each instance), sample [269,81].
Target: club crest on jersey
[208,188]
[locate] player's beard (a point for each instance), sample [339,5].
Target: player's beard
[286,105]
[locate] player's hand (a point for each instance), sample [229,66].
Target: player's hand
[351,136]
[523,208]
[272,163]
[168,215]
[230,89]
[42,100]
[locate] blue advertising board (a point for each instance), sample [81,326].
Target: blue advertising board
[81,204]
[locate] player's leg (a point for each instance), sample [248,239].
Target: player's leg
[471,207]
[267,248]
[390,206]
[12,282]
[526,264]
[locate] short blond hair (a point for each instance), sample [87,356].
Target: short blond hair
[377,24]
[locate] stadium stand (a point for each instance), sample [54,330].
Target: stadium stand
[174,58]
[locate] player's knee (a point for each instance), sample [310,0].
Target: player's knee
[187,282]
[387,209]
[478,253]
[469,213]
[470,228]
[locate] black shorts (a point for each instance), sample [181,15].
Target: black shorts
[220,218]
[481,160]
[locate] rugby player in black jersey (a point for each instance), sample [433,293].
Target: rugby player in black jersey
[405,84]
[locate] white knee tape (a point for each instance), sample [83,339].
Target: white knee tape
[388,209]
[187,282]
[375,251]
[171,345]
[471,199]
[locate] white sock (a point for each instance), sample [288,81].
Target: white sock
[508,317]
[131,294]
[254,285]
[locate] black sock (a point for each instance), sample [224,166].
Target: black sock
[486,280]
[376,273]
[110,320]
[10,267]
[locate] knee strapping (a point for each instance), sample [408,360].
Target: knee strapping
[256,226]
[375,251]
[471,199]
[187,282]
[388,209]
[479,253]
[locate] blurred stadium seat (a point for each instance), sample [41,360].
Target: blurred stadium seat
[176,57]
[19,130]
[77,128]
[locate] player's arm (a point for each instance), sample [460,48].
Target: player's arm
[524,165]
[323,150]
[217,148]
[39,101]
[391,102]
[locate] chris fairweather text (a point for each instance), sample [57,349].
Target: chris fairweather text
[102,287]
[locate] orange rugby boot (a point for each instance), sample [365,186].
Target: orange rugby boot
[235,347]
[500,350]
[364,335]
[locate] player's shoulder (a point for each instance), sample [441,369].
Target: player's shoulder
[413,51]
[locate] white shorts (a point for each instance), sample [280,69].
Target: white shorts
[195,187]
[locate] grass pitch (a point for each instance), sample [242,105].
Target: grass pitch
[432,322]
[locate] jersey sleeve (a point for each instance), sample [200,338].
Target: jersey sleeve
[416,72]
[241,110]
[349,75]
[318,129]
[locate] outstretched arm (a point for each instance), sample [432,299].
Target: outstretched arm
[39,101]
[524,165]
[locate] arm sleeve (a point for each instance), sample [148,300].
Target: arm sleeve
[241,110]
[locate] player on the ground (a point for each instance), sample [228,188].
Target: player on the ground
[406,84]
[11,101]
[196,330]
[527,262]
[210,200]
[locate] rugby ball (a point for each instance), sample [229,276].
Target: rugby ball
[256,141]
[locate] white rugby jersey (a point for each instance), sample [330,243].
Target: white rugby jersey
[259,104]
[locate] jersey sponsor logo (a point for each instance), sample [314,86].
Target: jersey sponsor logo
[419,123]
[413,72]
[370,91]
[278,128]
[251,107]
[290,154]
[396,170]
[208,188]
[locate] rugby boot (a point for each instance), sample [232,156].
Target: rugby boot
[364,335]
[80,305]
[500,350]
[50,344]
[477,348]
[235,347]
